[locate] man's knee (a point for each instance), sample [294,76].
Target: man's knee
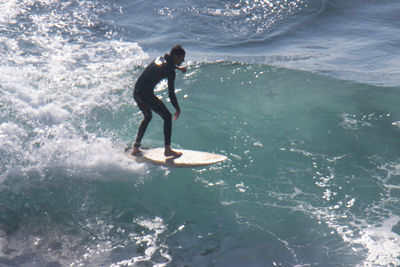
[166,116]
[147,117]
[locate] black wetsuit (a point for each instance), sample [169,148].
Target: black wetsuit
[159,69]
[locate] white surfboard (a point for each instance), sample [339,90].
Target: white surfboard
[189,158]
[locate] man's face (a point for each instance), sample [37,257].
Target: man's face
[178,59]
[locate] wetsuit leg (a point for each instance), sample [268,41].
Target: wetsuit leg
[159,107]
[146,104]
[147,115]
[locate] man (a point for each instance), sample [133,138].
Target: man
[159,69]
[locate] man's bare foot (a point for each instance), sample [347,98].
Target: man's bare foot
[168,152]
[135,151]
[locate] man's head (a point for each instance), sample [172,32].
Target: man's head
[177,54]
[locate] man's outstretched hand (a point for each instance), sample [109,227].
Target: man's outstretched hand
[183,69]
[176,115]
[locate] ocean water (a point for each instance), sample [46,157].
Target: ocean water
[302,96]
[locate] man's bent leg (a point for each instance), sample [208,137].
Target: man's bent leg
[162,110]
[143,126]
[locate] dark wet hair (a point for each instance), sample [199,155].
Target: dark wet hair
[177,50]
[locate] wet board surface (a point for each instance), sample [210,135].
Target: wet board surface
[189,158]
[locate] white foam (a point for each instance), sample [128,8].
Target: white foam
[382,244]
[9,11]
[12,147]
[51,114]
[150,239]
[10,133]
[377,242]
[351,122]
[51,81]
[91,157]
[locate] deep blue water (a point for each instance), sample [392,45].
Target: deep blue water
[302,96]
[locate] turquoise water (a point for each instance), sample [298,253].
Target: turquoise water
[309,125]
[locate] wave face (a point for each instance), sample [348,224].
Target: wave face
[302,96]
[347,40]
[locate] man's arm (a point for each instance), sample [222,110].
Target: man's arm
[183,69]
[172,96]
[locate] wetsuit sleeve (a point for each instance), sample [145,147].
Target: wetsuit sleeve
[171,90]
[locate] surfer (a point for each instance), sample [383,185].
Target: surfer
[161,68]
